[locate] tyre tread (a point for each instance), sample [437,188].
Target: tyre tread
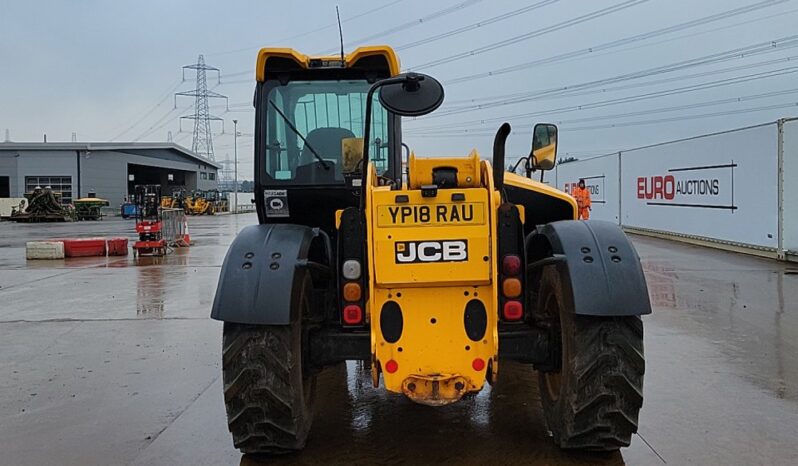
[602,390]
[264,414]
[612,367]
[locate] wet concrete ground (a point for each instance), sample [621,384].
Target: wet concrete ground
[105,361]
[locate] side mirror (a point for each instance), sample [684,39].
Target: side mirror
[408,94]
[544,146]
[411,94]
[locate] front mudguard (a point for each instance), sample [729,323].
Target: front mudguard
[597,263]
[262,272]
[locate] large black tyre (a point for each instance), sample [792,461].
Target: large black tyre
[268,396]
[592,401]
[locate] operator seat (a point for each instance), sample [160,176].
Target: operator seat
[327,142]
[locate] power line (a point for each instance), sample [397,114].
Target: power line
[642,84]
[742,52]
[163,121]
[685,117]
[529,35]
[617,43]
[309,32]
[478,24]
[149,112]
[416,22]
[747,22]
[636,98]
[694,87]
[631,123]
[607,47]
[745,98]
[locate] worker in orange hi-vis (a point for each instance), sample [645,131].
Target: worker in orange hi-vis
[582,196]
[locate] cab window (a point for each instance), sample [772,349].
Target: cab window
[307,124]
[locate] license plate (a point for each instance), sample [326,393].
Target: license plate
[461,213]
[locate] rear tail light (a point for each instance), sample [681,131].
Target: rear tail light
[511,265]
[391,366]
[511,287]
[353,314]
[351,269]
[352,291]
[513,310]
[478,364]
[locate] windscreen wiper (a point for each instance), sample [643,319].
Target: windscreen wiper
[324,163]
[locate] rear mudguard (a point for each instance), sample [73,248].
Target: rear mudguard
[261,273]
[599,266]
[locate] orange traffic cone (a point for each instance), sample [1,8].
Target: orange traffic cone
[186,236]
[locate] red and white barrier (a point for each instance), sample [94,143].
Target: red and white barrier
[44,250]
[76,247]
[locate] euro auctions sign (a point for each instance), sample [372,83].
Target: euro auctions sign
[719,186]
[700,187]
[593,184]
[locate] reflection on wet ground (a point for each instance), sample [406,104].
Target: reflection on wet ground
[114,361]
[749,312]
[358,424]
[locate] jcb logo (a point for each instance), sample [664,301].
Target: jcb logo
[408,252]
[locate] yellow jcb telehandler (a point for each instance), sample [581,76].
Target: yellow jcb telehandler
[432,279]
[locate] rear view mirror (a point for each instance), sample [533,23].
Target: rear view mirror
[408,94]
[411,94]
[544,146]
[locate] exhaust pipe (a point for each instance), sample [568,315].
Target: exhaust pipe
[498,155]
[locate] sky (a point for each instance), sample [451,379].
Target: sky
[613,74]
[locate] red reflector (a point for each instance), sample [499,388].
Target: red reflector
[513,310]
[511,265]
[353,315]
[478,364]
[391,366]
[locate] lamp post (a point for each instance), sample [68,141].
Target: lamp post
[235,166]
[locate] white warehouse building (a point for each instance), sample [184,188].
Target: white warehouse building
[111,170]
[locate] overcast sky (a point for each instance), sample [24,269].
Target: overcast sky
[106,69]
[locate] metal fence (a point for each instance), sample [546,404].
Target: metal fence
[175,228]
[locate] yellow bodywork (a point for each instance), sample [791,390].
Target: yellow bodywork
[518,181]
[195,204]
[546,154]
[304,60]
[434,361]
[434,355]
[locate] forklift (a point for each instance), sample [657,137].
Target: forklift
[149,222]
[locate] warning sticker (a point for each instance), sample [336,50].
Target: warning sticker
[276,203]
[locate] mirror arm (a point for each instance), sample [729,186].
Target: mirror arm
[522,159]
[366,135]
[530,166]
[365,159]
[407,150]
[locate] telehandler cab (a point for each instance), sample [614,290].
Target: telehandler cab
[432,277]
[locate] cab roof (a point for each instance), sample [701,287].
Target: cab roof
[353,59]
